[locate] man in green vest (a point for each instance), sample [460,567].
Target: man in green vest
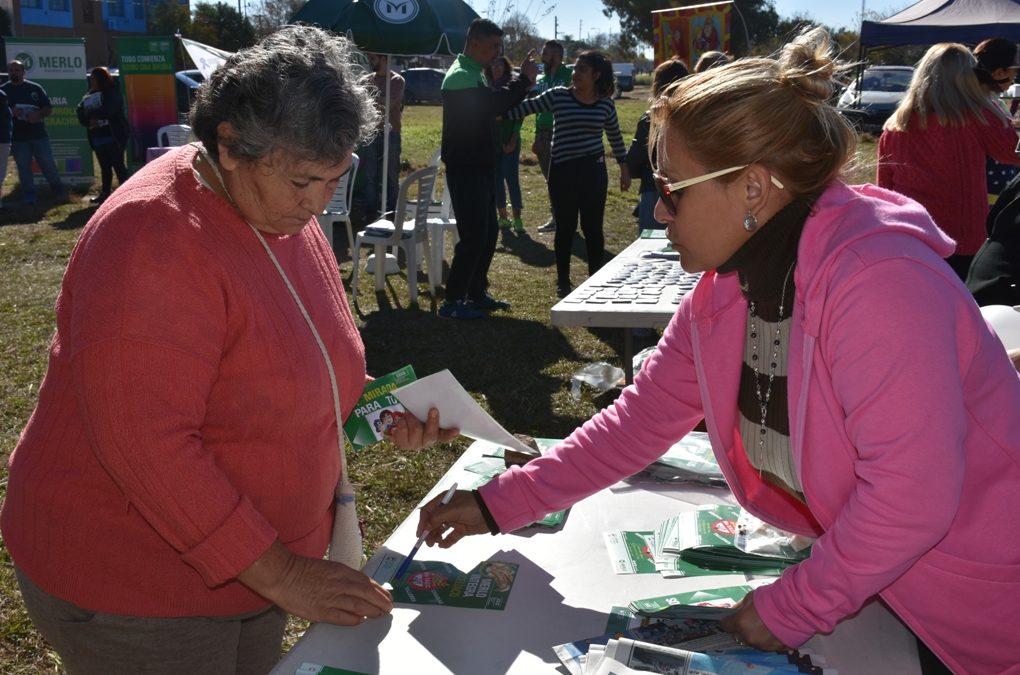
[470,109]
[556,75]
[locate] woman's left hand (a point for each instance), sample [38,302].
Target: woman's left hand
[749,629]
[410,434]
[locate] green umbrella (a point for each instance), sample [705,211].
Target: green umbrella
[395,27]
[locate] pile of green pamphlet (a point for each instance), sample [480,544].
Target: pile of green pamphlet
[711,536]
[691,460]
[708,540]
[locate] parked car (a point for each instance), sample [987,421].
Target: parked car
[422,85]
[624,73]
[881,90]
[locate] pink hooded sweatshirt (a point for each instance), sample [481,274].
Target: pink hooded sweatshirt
[905,429]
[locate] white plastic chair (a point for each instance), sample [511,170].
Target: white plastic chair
[173,135]
[408,235]
[438,226]
[339,207]
[439,223]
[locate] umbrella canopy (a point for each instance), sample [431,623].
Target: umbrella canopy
[396,27]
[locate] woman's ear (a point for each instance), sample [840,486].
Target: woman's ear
[755,185]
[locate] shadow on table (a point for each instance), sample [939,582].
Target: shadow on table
[490,641]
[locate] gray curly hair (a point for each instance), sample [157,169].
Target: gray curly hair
[294,90]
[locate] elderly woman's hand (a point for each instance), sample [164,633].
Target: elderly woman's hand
[410,434]
[749,629]
[315,589]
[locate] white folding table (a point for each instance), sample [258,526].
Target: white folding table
[640,288]
[564,591]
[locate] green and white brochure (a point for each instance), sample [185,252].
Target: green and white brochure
[377,409]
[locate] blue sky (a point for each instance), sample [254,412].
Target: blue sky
[586,15]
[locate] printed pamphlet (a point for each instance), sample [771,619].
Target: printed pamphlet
[377,410]
[430,582]
[319,669]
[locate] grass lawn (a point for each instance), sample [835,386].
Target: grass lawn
[515,363]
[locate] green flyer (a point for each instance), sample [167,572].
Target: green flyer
[660,607]
[319,669]
[430,582]
[631,552]
[377,409]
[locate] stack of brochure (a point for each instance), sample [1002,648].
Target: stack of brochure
[711,539]
[691,460]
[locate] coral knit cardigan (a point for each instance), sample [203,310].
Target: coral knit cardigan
[186,419]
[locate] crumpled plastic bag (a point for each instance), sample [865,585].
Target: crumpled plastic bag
[600,375]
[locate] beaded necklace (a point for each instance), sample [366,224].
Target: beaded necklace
[756,328]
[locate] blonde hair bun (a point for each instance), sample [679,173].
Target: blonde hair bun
[808,64]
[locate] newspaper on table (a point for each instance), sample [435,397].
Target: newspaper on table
[652,658]
[697,631]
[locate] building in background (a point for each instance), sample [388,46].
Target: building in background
[98,21]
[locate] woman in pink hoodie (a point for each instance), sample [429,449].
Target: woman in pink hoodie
[850,388]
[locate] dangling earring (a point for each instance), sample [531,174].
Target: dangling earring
[750,222]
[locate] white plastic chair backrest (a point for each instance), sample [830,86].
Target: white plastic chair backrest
[340,202]
[426,186]
[424,180]
[173,135]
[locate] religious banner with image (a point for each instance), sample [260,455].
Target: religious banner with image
[58,66]
[689,32]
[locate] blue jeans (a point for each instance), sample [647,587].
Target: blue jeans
[508,178]
[23,151]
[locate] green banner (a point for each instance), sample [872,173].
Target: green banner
[147,80]
[58,66]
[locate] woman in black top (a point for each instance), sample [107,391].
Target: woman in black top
[101,110]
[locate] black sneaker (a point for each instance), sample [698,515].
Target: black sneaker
[459,310]
[548,226]
[487,303]
[563,289]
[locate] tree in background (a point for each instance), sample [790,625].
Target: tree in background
[519,36]
[167,18]
[221,26]
[268,15]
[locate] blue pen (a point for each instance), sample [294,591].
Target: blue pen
[407,561]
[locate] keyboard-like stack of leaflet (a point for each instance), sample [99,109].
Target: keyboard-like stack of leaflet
[641,282]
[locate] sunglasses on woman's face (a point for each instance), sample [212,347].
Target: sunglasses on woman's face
[669,193]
